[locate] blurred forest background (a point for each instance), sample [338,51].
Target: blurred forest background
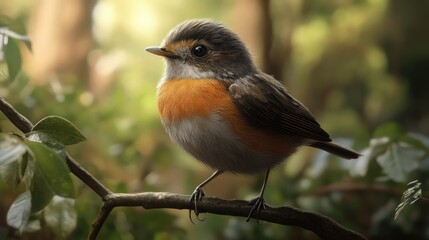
[358,65]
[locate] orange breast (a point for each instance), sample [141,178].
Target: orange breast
[186,98]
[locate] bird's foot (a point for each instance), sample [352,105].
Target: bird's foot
[258,204]
[196,196]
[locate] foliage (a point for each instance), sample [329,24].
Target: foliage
[397,152]
[38,162]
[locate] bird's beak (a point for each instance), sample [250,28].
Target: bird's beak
[161,52]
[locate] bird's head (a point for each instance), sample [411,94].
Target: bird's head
[201,49]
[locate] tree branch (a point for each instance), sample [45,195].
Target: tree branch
[361,187]
[321,225]
[86,177]
[21,122]
[356,187]
[101,218]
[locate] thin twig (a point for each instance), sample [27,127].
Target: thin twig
[101,218]
[21,122]
[356,187]
[9,33]
[86,177]
[361,187]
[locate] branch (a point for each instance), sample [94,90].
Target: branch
[21,122]
[321,225]
[361,187]
[86,177]
[356,187]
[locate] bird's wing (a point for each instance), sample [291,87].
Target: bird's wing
[266,104]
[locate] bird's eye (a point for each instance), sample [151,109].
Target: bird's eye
[199,51]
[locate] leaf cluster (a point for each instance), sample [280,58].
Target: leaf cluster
[37,162]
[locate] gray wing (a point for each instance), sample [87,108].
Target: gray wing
[266,104]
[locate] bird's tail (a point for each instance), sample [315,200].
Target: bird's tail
[336,150]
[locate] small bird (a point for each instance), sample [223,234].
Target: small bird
[219,107]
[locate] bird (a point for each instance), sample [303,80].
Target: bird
[221,109]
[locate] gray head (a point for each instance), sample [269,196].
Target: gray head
[204,49]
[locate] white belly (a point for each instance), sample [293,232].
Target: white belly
[211,141]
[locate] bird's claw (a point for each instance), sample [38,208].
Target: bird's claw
[258,204]
[196,196]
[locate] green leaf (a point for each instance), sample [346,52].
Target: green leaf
[41,194]
[61,216]
[51,176]
[422,139]
[391,130]
[56,129]
[413,141]
[13,58]
[399,160]
[19,212]
[13,160]
[46,139]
